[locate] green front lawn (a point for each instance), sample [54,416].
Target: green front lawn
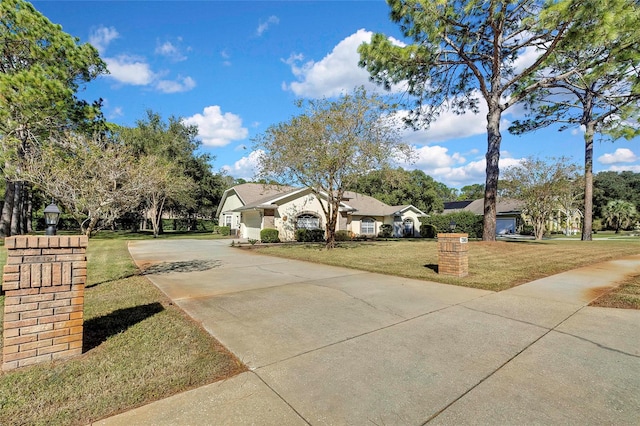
[138,348]
[492,266]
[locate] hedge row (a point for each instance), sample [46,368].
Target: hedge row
[309,235]
[466,222]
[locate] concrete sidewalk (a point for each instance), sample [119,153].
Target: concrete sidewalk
[329,345]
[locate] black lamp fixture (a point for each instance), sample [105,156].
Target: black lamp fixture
[51,217]
[452,226]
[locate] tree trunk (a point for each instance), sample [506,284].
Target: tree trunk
[29,211]
[587,223]
[494,138]
[157,206]
[7,210]
[91,226]
[334,206]
[17,209]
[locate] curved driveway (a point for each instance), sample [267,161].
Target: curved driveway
[335,346]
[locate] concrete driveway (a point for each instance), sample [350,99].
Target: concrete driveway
[334,346]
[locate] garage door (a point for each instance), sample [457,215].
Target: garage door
[505,226]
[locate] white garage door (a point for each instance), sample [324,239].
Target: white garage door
[505,226]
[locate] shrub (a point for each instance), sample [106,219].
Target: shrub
[466,222]
[222,230]
[386,231]
[269,235]
[427,230]
[309,235]
[596,225]
[527,230]
[343,235]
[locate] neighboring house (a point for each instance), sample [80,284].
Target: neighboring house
[251,207]
[508,212]
[510,217]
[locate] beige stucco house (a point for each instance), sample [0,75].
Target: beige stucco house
[251,207]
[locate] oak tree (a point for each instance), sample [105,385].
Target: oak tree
[544,187]
[329,147]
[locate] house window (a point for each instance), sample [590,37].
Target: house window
[308,221]
[227,220]
[408,227]
[368,226]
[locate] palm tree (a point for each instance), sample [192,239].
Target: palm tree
[619,214]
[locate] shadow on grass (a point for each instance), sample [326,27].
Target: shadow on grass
[183,266]
[432,266]
[122,277]
[97,330]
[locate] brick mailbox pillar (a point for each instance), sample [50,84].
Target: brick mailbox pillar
[453,256]
[44,281]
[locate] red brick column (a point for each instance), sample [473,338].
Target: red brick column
[44,282]
[453,256]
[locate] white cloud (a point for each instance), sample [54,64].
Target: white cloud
[226,58]
[218,129]
[631,168]
[621,155]
[130,70]
[453,169]
[245,167]
[526,58]
[336,73]
[116,112]
[434,157]
[136,71]
[264,26]
[170,51]
[448,125]
[175,86]
[102,37]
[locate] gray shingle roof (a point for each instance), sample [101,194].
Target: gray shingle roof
[503,205]
[256,193]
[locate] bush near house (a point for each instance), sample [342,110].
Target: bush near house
[343,235]
[386,231]
[466,222]
[309,235]
[527,230]
[428,231]
[222,230]
[269,235]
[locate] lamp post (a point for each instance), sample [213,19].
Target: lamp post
[452,226]
[51,217]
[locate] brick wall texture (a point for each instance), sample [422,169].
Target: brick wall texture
[453,255]
[44,281]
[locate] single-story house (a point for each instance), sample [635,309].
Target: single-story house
[250,207]
[510,216]
[508,212]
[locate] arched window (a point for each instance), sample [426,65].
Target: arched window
[408,227]
[368,226]
[308,221]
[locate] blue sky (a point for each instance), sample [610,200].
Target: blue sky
[236,67]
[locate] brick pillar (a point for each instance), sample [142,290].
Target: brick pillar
[453,256]
[44,282]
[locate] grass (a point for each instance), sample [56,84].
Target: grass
[492,266]
[625,296]
[138,347]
